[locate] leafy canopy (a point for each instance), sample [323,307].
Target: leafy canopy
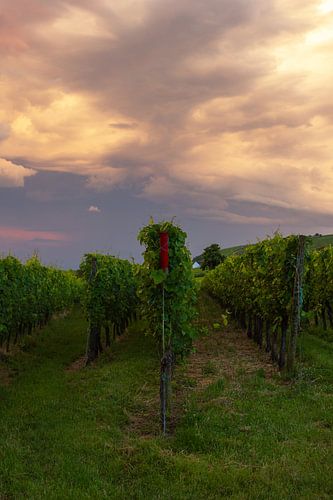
[212,256]
[178,283]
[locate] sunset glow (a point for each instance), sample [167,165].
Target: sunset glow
[17,234]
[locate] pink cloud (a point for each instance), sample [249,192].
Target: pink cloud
[20,234]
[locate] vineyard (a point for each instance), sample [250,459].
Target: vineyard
[171,385]
[319,286]
[109,298]
[272,286]
[30,294]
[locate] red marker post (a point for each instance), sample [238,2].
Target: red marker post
[164,251]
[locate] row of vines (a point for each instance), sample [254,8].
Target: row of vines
[271,286]
[318,296]
[30,294]
[116,291]
[110,298]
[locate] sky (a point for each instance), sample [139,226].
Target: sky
[217,112]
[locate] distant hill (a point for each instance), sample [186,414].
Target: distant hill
[316,241]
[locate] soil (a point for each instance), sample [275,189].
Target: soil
[222,353]
[77,365]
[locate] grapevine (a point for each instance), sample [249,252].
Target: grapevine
[167,301]
[178,283]
[110,298]
[258,288]
[30,294]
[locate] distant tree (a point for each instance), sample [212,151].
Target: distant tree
[212,256]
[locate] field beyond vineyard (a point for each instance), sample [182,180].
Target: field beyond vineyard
[315,242]
[242,430]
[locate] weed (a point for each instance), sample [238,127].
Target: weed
[209,368]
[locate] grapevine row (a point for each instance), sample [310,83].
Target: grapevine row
[318,293]
[110,298]
[258,288]
[30,294]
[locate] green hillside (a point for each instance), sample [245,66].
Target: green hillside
[316,241]
[320,241]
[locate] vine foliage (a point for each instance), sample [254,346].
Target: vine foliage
[178,284]
[30,294]
[110,298]
[318,290]
[167,301]
[258,287]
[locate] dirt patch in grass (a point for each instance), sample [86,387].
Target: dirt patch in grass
[220,353]
[146,422]
[5,376]
[144,413]
[77,365]
[226,354]
[229,352]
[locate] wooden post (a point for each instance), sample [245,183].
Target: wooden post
[107,336]
[93,329]
[268,336]
[165,386]
[297,305]
[167,356]
[283,344]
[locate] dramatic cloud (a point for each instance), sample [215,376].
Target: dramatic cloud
[206,106]
[4,131]
[12,175]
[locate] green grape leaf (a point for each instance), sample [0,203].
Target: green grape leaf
[159,276]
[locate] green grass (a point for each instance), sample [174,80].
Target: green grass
[319,331]
[317,355]
[267,440]
[66,435]
[198,273]
[233,250]
[322,241]
[62,432]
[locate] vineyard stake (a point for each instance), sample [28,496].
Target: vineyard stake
[297,304]
[164,382]
[93,331]
[163,320]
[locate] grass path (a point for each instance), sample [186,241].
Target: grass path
[93,433]
[61,430]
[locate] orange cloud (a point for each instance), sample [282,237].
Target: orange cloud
[12,175]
